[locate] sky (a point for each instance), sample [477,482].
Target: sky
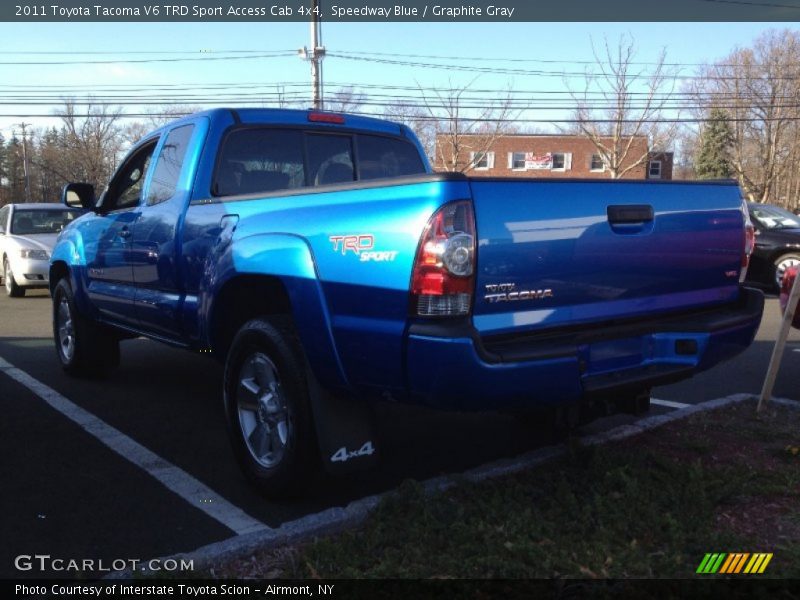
[217,52]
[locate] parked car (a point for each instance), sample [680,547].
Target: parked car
[777,244]
[786,288]
[27,235]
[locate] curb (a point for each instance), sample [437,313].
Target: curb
[336,519]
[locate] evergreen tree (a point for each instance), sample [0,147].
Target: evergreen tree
[713,158]
[3,172]
[16,171]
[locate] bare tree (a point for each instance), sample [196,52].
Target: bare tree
[464,133]
[621,107]
[162,115]
[91,141]
[759,88]
[345,100]
[415,116]
[134,131]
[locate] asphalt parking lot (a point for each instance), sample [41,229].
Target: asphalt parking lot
[67,494]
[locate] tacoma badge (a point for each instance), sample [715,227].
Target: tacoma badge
[507,292]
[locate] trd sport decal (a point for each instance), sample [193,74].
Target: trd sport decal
[354,243]
[361,246]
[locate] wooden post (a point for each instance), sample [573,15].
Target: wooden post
[780,345]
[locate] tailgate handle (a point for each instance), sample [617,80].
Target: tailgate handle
[630,214]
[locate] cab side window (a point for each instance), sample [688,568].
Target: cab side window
[125,189]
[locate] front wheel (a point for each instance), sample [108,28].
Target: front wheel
[12,289]
[781,264]
[83,347]
[267,407]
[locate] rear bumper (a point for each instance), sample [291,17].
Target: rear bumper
[452,367]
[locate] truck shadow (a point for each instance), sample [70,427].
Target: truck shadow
[170,402]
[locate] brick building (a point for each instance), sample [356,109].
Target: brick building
[523,155]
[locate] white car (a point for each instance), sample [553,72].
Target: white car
[28,233]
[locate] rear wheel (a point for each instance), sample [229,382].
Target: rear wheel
[84,348]
[12,289]
[267,407]
[781,264]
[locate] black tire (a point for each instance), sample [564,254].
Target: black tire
[779,267]
[84,348]
[12,289]
[267,408]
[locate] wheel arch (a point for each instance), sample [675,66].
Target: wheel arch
[58,270]
[240,299]
[268,274]
[784,250]
[246,296]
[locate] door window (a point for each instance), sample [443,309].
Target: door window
[168,167]
[125,189]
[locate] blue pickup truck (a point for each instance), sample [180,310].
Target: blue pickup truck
[319,257]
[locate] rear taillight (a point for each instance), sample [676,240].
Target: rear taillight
[749,241]
[444,270]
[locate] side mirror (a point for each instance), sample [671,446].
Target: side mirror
[77,195]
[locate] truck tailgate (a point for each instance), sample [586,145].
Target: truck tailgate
[552,254]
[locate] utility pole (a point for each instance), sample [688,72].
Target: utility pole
[314,55]
[25,170]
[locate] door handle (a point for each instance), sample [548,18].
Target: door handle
[629,214]
[124,233]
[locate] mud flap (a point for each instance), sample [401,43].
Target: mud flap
[345,430]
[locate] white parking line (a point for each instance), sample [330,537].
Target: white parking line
[170,476]
[668,403]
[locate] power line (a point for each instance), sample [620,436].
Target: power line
[530,60]
[396,102]
[29,93]
[146,60]
[432,118]
[361,53]
[539,72]
[128,52]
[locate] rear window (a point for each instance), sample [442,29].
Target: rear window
[261,160]
[387,157]
[773,217]
[330,159]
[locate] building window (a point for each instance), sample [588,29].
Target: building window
[481,161]
[597,163]
[562,161]
[516,161]
[654,170]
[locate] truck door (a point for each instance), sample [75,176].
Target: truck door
[155,244]
[110,276]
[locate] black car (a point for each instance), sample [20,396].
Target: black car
[777,244]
